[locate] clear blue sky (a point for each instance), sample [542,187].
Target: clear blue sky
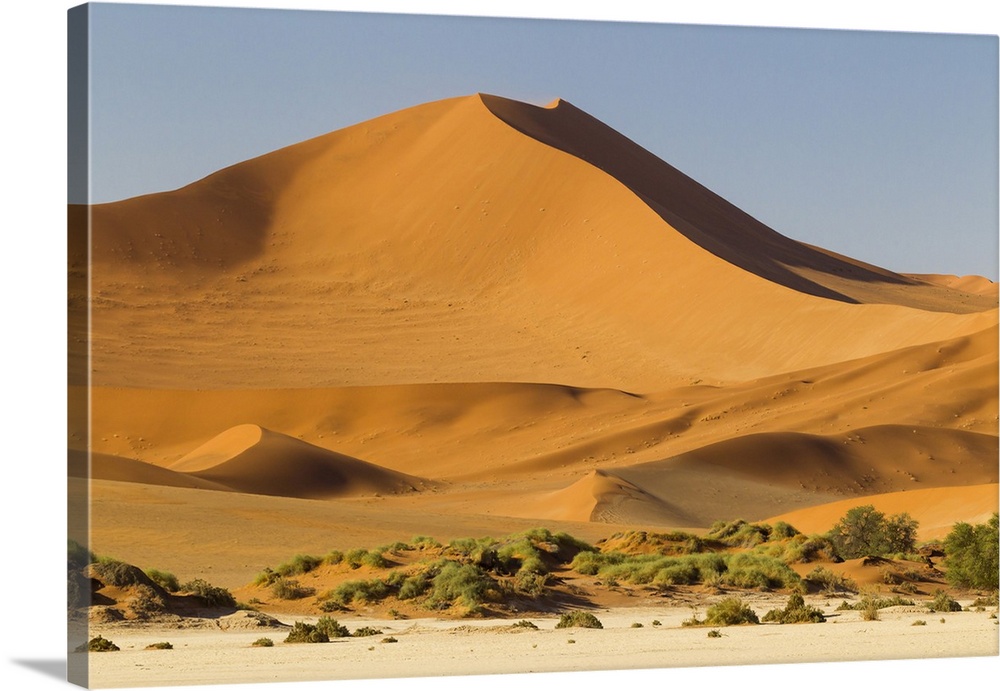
[879,145]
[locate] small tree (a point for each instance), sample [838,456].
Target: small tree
[971,554]
[864,531]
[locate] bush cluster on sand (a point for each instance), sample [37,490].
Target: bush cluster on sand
[97,644]
[290,589]
[582,620]
[731,611]
[163,645]
[829,582]
[971,555]
[332,628]
[212,596]
[943,602]
[262,643]
[796,611]
[870,600]
[740,570]
[740,533]
[467,572]
[320,632]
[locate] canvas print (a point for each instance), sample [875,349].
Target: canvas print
[423,346]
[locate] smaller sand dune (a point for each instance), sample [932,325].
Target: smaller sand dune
[603,497]
[249,458]
[105,466]
[760,475]
[936,509]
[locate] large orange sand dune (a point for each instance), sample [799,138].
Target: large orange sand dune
[510,313]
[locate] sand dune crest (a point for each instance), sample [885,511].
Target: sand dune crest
[252,459]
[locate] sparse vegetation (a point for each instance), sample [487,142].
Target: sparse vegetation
[290,589]
[971,555]
[262,643]
[919,622]
[524,624]
[366,631]
[578,619]
[715,633]
[830,582]
[796,611]
[163,645]
[389,639]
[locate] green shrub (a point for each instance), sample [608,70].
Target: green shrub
[334,557]
[524,624]
[365,591]
[943,602]
[306,633]
[739,533]
[290,589]
[164,579]
[464,582]
[919,622]
[98,644]
[795,612]
[636,625]
[332,628]
[424,542]
[971,555]
[715,633]
[146,602]
[164,645]
[747,570]
[389,639]
[578,619]
[211,595]
[730,612]
[529,584]
[263,643]
[863,531]
[869,612]
[367,631]
[300,564]
[782,531]
[413,586]
[356,558]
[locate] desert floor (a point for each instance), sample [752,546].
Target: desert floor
[435,647]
